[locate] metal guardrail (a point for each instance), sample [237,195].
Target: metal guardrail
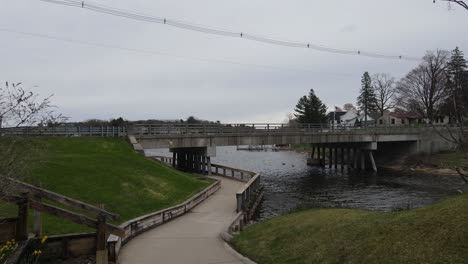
[65,131]
[210,129]
[267,129]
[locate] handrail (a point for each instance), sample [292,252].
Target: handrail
[246,194]
[66,130]
[183,130]
[140,224]
[34,190]
[180,129]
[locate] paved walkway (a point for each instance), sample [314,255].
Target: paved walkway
[192,238]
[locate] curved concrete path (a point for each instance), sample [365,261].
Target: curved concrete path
[192,238]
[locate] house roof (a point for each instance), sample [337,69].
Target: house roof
[336,115]
[405,115]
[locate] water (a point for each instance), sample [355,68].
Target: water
[290,184]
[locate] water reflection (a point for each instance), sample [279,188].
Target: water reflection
[290,183]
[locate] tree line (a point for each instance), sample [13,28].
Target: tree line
[437,86]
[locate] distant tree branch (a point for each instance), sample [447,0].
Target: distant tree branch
[459,2]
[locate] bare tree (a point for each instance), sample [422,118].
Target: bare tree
[423,89]
[384,87]
[349,107]
[19,107]
[458,2]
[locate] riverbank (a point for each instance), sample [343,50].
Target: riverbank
[442,164]
[105,171]
[434,234]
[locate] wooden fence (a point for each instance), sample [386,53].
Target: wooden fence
[7,229]
[136,226]
[248,197]
[33,197]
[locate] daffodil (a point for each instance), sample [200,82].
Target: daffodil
[44,238]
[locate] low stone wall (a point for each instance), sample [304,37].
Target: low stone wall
[7,229]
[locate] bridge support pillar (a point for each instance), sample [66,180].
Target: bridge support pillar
[348,158]
[197,159]
[371,157]
[203,164]
[174,158]
[208,159]
[197,162]
[336,157]
[323,156]
[363,160]
[330,157]
[355,158]
[343,162]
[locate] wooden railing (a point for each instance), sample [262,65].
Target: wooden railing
[141,224]
[65,131]
[247,198]
[35,198]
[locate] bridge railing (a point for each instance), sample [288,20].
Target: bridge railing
[239,129]
[248,197]
[65,131]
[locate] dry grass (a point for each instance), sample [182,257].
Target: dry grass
[436,234]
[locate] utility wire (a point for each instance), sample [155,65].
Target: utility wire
[160,53]
[222,32]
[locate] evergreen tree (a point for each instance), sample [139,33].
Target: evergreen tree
[457,68]
[310,109]
[457,85]
[367,101]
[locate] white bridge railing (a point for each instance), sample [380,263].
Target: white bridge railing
[252,129]
[65,131]
[178,129]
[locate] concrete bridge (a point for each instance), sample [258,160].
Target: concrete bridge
[194,144]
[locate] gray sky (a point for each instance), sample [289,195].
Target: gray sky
[97,82]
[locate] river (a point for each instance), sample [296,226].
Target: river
[290,184]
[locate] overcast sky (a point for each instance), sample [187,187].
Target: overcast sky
[172,83]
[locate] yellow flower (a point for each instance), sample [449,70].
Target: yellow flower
[39,252]
[43,239]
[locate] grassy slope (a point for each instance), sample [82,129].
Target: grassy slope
[107,171]
[436,234]
[447,159]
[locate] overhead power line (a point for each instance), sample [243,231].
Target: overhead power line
[222,32]
[165,54]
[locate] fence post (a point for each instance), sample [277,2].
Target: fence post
[101,241]
[22,225]
[37,224]
[239,201]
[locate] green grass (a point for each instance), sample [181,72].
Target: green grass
[106,171]
[447,159]
[435,234]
